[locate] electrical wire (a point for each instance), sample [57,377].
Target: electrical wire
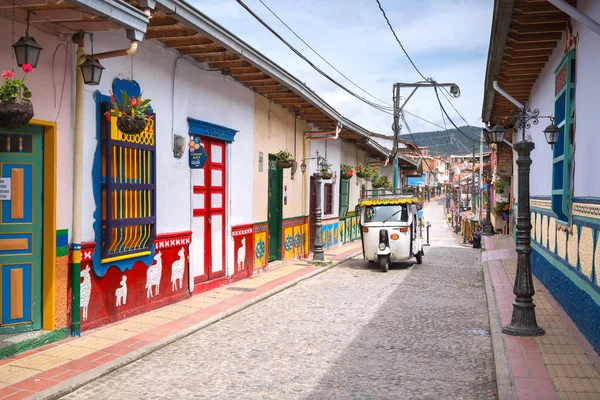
[319,55]
[324,74]
[418,149]
[450,119]
[398,40]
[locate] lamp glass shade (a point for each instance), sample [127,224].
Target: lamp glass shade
[498,132]
[552,133]
[303,167]
[92,71]
[27,51]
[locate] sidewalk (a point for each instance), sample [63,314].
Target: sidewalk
[54,370]
[558,365]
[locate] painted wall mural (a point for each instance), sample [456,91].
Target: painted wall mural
[245,251]
[123,293]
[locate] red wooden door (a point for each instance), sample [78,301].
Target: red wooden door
[208,225]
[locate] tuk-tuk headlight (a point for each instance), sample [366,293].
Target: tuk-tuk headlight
[381,246]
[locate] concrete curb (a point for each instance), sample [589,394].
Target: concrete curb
[504,382]
[64,388]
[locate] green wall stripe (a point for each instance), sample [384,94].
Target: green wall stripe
[50,337]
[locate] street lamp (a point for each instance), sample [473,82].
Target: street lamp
[523,322]
[318,253]
[488,228]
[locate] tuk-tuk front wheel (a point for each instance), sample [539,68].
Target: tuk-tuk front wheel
[384,263]
[419,257]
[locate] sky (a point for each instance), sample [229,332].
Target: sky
[447,39]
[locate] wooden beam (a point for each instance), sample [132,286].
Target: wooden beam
[242,70]
[251,76]
[218,56]
[523,67]
[171,33]
[525,60]
[541,28]
[526,54]
[549,18]
[229,64]
[163,20]
[261,82]
[534,38]
[186,41]
[294,101]
[536,8]
[202,49]
[531,46]
[284,96]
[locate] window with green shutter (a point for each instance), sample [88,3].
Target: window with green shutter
[562,159]
[344,197]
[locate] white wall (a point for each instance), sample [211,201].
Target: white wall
[47,104]
[587,162]
[199,94]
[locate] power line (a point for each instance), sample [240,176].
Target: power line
[319,55]
[423,119]
[450,119]
[418,149]
[398,40]
[299,54]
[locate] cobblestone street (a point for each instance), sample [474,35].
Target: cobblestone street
[353,332]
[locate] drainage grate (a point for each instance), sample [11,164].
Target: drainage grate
[242,289]
[477,332]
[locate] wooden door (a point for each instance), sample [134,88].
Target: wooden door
[311,214]
[275,212]
[208,224]
[21,170]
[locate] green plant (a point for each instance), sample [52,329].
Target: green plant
[347,171]
[501,207]
[326,168]
[284,155]
[499,186]
[14,90]
[129,107]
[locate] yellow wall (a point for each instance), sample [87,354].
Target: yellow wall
[274,131]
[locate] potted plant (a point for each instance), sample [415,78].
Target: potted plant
[372,173]
[500,207]
[327,172]
[380,182]
[361,172]
[131,114]
[285,159]
[16,109]
[347,172]
[499,186]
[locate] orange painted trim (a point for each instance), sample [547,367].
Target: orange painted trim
[14,244]
[16,293]
[17,203]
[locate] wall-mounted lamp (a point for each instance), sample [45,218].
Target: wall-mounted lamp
[179,143]
[303,166]
[91,69]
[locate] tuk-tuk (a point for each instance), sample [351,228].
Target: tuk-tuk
[390,229]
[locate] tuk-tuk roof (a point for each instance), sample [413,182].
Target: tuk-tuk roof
[388,200]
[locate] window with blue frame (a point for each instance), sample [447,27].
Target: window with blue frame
[562,159]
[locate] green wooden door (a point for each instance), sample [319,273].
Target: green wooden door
[21,183]
[275,209]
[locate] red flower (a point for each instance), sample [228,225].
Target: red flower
[27,68]
[107,115]
[112,98]
[133,101]
[8,75]
[358,167]
[350,172]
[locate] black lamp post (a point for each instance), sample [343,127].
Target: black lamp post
[27,51]
[523,322]
[318,253]
[488,228]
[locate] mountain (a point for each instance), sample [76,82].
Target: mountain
[448,142]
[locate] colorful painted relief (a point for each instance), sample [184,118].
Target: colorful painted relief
[243,245]
[260,245]
[119,294]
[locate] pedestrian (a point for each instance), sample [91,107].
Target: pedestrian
[477,238]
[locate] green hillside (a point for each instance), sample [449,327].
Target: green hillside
[448,142]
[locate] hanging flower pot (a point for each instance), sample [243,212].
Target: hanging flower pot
[16,109]
[285,159]
[347,172]
[131,113]
[327,175]
[15,115]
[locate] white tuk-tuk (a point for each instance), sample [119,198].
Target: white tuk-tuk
[390,229]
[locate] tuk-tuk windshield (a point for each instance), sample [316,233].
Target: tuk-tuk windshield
[394,213]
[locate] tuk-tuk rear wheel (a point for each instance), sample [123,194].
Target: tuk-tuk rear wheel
[384,263]
[419,257]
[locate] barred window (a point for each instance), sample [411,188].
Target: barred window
[128,187]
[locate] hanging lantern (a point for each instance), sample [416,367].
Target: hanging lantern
[92,71]
[552,132]
[27,51]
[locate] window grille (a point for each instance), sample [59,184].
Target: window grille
[128,225]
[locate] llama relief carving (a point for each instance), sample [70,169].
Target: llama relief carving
[85,291]
[121,293]
[241,255]
[153,275]
[177,269]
